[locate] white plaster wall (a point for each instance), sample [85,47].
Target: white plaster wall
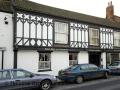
[103,56]
[59,60]
[83,57]
[28,60]
[6,39]
[0,59]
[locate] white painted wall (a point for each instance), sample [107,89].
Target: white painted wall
[83,57]
[59,60]
[28,60]
[6,39]
[103,57]
[0,59]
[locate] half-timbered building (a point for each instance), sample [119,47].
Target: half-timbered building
[45,39]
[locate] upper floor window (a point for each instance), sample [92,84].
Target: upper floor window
[94,36]
[61,33]
[73,59]
[117,39]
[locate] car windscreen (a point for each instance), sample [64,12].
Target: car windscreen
[115,64]
[72,67]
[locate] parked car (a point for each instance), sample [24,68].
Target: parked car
[78,73]
[17,79]
[114,67]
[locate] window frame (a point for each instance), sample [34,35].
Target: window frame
[95,36]
[66,34]
[118,38]
[45,69]
[73,56]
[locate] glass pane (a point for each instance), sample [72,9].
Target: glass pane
[18,74]
[61,38]
[4,75]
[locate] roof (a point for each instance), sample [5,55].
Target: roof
[5,5]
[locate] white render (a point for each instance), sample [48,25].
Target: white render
[83,57]
[0,59]
[6,39]
[103,57]
[28,60]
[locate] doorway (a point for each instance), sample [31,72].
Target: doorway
[95,58]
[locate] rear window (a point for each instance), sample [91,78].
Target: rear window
[72,67]
[115,64]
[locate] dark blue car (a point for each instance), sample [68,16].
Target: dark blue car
[80,72]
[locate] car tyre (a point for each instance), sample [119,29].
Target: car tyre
[79,79]
[45,85]
[106,75]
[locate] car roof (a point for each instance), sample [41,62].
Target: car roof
[85,64]
[116,61]
[10,69]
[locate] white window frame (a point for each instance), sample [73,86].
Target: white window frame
[73,61]
[44,64]
[61,32]
[116,39]
[92,36]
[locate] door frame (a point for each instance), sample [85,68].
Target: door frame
[95,53]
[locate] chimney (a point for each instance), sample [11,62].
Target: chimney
[110,11]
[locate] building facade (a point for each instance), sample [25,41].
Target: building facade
[44,39]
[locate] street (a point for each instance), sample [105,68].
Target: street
[113,83]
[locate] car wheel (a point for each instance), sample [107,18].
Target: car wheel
[106,75]
[45,85]
[79,79]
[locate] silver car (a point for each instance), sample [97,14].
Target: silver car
[114,67]
[17,79]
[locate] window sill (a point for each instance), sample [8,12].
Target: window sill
[44,70]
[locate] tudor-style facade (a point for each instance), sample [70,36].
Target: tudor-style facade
[44,39]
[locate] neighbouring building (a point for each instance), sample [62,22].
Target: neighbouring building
[44,39]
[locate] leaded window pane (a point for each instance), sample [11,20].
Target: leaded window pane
[117,39]
[73,59]
[61,33]
[94,36]
[44,61]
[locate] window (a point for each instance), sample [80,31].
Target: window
[73,59]
[117,39]
[44,61]
[93,67]
[4,75]
[61,33]
[84,67]
[20,74]
[94,36]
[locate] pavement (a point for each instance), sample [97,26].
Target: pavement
[112,83]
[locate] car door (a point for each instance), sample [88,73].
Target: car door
[84,71]
[23,79]
[95,71]
[5,80]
